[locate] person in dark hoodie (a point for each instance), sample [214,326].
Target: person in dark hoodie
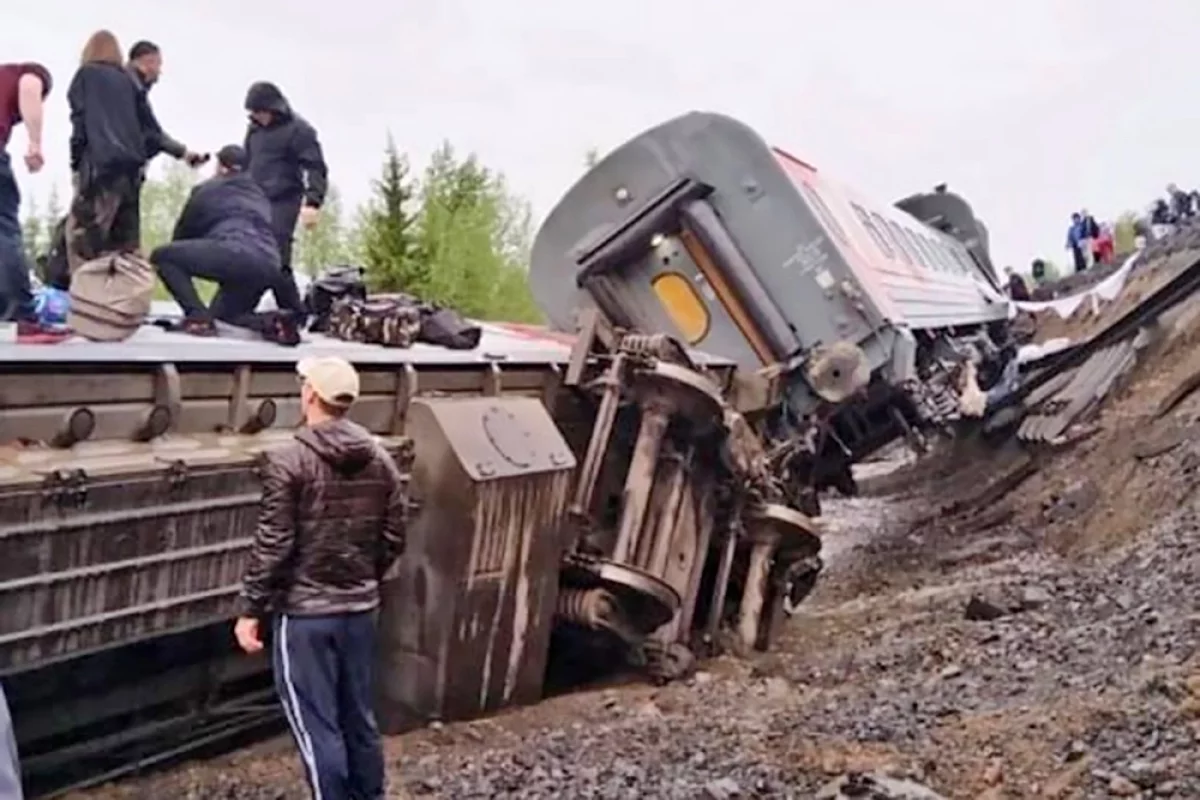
[332,523]
[286,160]
[110,119]
[222,235]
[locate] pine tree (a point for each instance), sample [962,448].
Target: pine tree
[326,244]
[33,232]
[388,230]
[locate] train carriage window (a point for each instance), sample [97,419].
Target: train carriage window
[683,305]
[964,265]
[941,252]
[922,248]
[914,241]
[897,236]
[874,232]
[830,221]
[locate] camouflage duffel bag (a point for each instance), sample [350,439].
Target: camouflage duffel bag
[387,322]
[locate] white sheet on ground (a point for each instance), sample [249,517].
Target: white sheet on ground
[1105,290]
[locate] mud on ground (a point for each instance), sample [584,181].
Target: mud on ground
[992,624]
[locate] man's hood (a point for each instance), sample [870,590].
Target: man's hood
[344,445]
[266,96]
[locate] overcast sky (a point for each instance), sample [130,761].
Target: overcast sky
[1030,108]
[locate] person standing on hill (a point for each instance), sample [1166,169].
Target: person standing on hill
[331,525]
[1077,242]
[285,158]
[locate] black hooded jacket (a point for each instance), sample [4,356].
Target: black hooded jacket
[332,522]
[230,208]
[109,121]
[157,140]
[284,156]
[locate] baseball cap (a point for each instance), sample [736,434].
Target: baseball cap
[232,156]
[333,379]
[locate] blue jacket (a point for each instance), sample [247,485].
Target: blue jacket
[1076,234]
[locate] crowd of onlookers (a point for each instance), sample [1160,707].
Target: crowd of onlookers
[1091,243]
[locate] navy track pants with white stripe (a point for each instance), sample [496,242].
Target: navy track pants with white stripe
[323,669]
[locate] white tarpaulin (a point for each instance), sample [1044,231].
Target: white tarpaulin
[1106,289]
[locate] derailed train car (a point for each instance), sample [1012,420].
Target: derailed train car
[851,323]
[742,328]
[567,510]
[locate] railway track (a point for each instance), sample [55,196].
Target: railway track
[154,705]
[1170,294]
[140,707]
[156,745]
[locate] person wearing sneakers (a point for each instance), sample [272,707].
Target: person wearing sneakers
[331,525]
[23,90]
[223,235]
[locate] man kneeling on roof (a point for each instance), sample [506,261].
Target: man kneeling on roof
[223,235]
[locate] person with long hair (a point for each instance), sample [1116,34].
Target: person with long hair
[110,121]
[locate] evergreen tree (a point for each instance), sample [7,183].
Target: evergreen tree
[33,232]
[474,238]
[387,230]
[163,198]
[327,244]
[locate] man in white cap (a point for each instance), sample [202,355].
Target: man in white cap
[332,523]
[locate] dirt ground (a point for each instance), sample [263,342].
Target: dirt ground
[1042,643]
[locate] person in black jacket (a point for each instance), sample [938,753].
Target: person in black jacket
[145,66]
[286,160]
[109,121]
[223,235]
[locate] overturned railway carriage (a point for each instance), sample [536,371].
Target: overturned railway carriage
[568,509]
[851,322]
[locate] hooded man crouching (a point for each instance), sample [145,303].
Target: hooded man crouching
[285,159]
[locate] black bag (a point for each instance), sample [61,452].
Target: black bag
[336,283]
[447,328]
[388,321]
[56,271]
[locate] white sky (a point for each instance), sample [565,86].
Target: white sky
[1030,108]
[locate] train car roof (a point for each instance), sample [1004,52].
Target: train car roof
[499,343]
[153,344]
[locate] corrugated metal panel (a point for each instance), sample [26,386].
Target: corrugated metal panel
[121,543]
